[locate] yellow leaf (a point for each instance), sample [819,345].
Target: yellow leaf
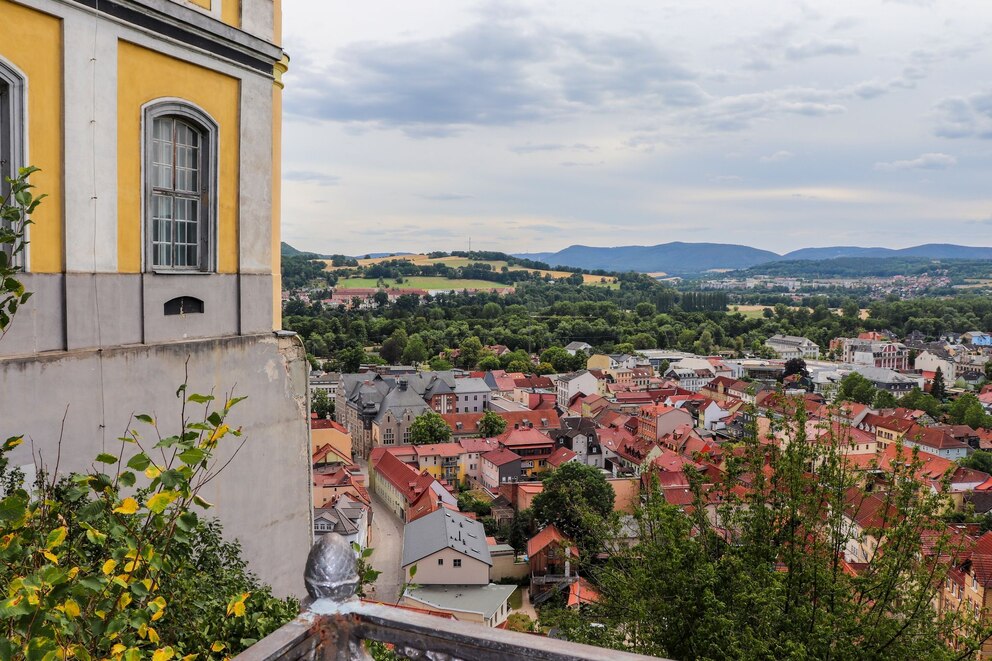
[157,615]
[143,631]
[109,566]
[161,500]
[51,557]
[219,433]
[147,583]
[128,506]
[101,614]
[152,635]
[14,442]
[125,599]
[158,602]
[71,608]
[190,657]
[152,472]
[217,646]
[163,654]
[56,537]
[72,573]
[117,649]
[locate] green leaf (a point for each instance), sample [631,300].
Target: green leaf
[201,502]
[91,583]
[139,462]
[192,456]
[215,419]
[143,417]
[127,479]
[187,521]
[12,508]
[105,458]
[200,399]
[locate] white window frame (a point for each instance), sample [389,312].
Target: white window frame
[207,228]
[13,142]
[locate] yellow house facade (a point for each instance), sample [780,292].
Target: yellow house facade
[156,125]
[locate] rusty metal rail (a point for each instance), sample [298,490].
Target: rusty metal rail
[337,624]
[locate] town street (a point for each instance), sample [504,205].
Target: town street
[387,540]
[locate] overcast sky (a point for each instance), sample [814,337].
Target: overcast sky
[527,127]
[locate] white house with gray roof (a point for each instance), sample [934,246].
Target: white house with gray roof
[447,549]
[472,395]
[790,346]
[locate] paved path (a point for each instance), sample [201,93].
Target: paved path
[387,540]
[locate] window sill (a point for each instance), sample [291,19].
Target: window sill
[168,272]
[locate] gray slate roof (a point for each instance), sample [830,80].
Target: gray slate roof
[444,529]
[484,599]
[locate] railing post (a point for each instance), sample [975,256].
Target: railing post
[331,577]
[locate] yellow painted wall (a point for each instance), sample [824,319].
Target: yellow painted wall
[32,42]
[230,12]
[202,3]
[145,75]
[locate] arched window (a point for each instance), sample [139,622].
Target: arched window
[11,128]
[180,188]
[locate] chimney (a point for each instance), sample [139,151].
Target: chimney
[403,384]
[516,425]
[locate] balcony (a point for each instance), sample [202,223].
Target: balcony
[336,624]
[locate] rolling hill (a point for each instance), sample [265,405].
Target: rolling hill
[679,257]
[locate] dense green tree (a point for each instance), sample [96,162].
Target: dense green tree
[884,400]
[392,349]
[856,388]
[916,399]
[492,424]
[938,388]
[579,501]
[979,460]
[440,364]
[489,362]
[795,366]
[351,359]
[755,572]
[321,404]
[429,427]
[470,352]
[415,351]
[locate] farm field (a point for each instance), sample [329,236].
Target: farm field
[755,311]
[456,262]
[422,283]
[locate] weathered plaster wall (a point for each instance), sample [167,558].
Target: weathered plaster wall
[262,498]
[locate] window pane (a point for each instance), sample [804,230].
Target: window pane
[162,230]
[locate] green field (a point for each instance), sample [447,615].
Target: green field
[422,283]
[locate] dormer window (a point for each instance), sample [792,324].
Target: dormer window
[180,187]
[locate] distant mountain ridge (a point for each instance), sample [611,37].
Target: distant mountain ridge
[681,257]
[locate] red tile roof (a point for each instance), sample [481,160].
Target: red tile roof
[560,456]
[543,539]
[512,438]
[500,457]
[401,475]
[470,421]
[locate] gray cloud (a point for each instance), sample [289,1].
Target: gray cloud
[445,197]
[930,161]
[818,47]
[964,116]
[311,177]
[531,148]
[777,157]
[493,73]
